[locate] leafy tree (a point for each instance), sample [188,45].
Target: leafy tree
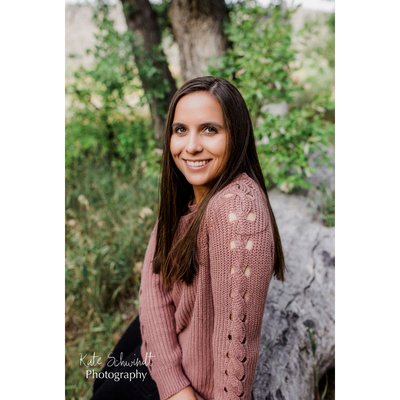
[261,63]
[157,81]
[103,122]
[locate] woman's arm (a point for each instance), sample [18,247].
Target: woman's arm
[241,262]
[157,321]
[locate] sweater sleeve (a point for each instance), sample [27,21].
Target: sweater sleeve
[241,263]
[157,324]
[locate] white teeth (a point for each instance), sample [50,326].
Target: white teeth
[196,163]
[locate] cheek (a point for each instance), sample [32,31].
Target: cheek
[174,147]
[221,147]
[223,154]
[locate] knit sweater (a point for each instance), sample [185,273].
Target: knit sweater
[206,335]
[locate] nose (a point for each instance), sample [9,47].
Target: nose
[194,143]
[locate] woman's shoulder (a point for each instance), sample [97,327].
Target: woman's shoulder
[242,200]
[242,189]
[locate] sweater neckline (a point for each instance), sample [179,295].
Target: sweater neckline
[192,207]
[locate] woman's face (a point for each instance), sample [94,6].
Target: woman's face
[199,140]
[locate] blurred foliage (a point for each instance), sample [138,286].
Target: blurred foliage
[113,163]
[109,217]
[161,8]
[149,61]
[262,63]
[112,170]
[103,123]
[328,207]
[316,52]
[104,219]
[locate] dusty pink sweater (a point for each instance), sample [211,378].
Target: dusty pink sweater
[207,335]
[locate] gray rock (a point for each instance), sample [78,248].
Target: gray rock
[297,338]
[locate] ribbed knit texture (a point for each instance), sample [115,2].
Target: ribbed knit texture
[207,335]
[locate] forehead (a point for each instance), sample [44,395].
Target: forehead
[198,107]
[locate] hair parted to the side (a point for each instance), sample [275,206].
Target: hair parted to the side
[178,263]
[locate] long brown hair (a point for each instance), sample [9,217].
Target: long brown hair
[177,261]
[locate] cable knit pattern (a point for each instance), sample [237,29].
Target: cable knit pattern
[206,335]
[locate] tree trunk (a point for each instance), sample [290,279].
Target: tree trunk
[297,344]
[197,26]
[157,81]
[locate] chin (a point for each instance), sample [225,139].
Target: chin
[197,181]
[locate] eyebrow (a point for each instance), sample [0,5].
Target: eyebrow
[202,124]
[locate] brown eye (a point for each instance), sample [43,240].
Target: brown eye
[210,129]
[179,130]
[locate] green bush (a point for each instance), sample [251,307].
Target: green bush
[316,49]
[262,62]
[103,122]
[112,170]
[109,217]
[108,221]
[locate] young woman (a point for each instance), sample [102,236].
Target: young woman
[210,258]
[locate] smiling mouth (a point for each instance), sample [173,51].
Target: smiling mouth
[199,163]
